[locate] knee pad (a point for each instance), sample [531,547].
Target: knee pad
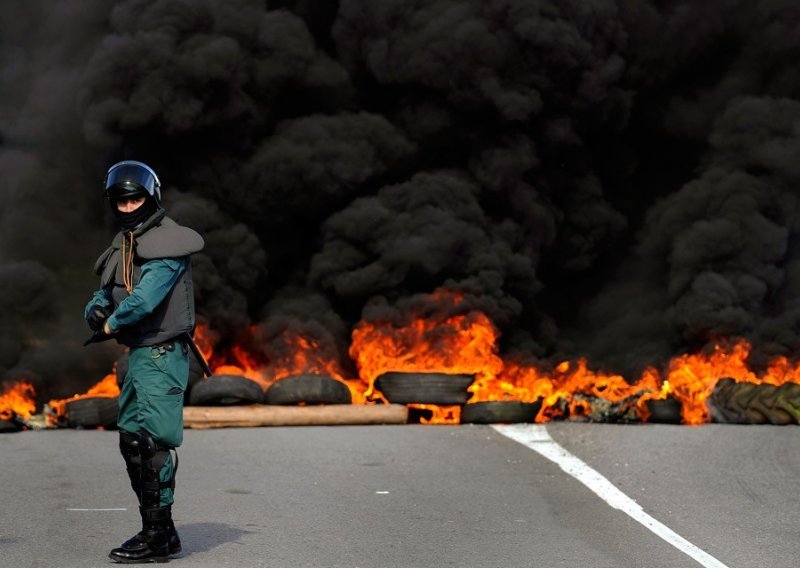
[153,455]
[129,447]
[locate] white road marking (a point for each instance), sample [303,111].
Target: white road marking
[113,509]
[381,493]
[537,439]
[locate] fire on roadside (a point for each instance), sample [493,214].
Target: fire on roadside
[293,353]
[437,414]
[234,361]
[461,344]
[17,399]
[691,378]
[300,354]
[465,342]
[106,388]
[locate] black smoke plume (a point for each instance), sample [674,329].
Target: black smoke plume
[612,178]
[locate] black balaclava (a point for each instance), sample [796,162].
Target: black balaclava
[129,221]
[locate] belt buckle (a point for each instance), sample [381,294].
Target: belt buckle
[161,348]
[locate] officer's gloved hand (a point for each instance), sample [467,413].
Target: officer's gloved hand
[97,317]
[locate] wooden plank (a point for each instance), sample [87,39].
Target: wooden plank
[199,417]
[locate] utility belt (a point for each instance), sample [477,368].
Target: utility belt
[169,345]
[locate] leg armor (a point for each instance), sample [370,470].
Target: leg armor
[153,456]
[129,448]
[144,458]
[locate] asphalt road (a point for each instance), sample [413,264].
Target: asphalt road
[409,496]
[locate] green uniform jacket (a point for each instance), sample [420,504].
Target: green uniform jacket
[160,305]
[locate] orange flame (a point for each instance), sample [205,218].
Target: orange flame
[458,344]
[293,354]
[205,339]
[300,354]
[439,414]
[234,361]
[692,378]
[106,388]
[570,380]
[514,382]
[17,398]
[467,344]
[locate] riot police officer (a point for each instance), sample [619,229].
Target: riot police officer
[146,302]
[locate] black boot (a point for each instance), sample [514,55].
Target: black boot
[158,537]
[150,545]
[173,540]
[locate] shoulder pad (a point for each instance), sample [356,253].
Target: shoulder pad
[102,260]
[168,240]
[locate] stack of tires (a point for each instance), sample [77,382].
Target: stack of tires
[398,388]
[449,390]
[748,403]
[303,389]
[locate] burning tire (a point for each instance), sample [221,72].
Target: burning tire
[749,403]
[308,389]
[92,412]
[666,411]
[226,390]
[495,412]
[7,426]
[424,388]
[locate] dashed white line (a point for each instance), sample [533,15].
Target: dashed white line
[111,509]
[537,439]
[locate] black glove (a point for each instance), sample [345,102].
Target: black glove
[97,317]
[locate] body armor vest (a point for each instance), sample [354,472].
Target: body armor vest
[158,237]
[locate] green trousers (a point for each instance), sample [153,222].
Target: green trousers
[151,399]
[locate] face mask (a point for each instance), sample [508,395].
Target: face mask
[128,221]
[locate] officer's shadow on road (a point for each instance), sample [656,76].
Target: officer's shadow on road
[202,537]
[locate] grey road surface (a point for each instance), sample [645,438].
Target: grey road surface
[412,496]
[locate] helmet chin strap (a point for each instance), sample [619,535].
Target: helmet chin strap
[128,221]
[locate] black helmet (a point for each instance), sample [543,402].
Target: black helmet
[130,179]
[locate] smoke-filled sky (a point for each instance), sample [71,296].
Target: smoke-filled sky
[609,178]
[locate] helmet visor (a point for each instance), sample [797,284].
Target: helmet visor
[131,176]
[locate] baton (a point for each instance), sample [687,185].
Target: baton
[196,352]
[97,337]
